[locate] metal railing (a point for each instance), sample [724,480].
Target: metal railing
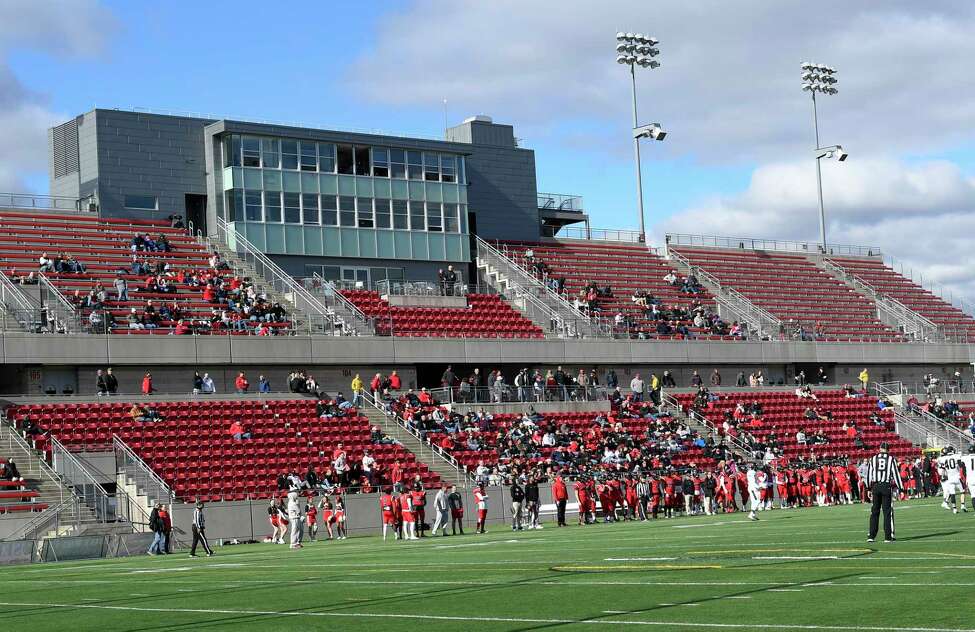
[779,245]
[511,394]
[77,477]
[759,320]
[58,315]
[935,288]
[592,234]
[281,282]
[18,308]
[428,288]
[560,202]
[671,402]
[45,202]
[349,319]
[64,514]
[131,466]
[914,421]
[543,305]
[435,452]
[911,323]
[16,441]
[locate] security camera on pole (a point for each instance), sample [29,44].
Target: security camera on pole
[638,50]
[820,78]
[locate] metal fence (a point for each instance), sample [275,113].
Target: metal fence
[131,465]
[46,202]
[464,393]
[560,202]
[592,234]
[74,474]
[780,245]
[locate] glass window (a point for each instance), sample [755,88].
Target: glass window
[252,206]
[462,211]
[231,150]
[397,163]
[272,207]
[414,160]
[431,167]
[396,274]
[309,208]
[450,224]
[141,202]
[271,153]
[380,162]
[363,165]
[251,151]
[329,211]
[292,208]
[400,215]
[434,218]
[331,273]
[382,214]
[346,210]
[364,208]
[448,168]
[417,218]
[309,156]
[289,154]
[235,205]
[345,159]
[326,157]
[461,174]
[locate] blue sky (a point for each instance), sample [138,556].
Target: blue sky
[180,56]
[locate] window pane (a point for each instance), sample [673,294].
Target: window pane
[462,211]
[400,215]
[272,207]
[431,167]
[434,218]
[415,163]
[364,210]
[289,154]
[309,208]
[271,153]
[326,157]
[331,273]
[234,201]
[309,156]
[450,224]
[251,151]
[346,211]
[382,214]
[345,162]
[234,158]
[448,168]
[252,206]
[142,202]
[395,274]
[380,162]
[363,165]
[397,163]
[292,208]
[461,174]
[329,211]
[417,217]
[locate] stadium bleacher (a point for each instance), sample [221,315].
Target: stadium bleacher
[885,280]
[624,268]
[486,316]
[192,449]
[795,290]
[783,417]
[16,496]
[104,247]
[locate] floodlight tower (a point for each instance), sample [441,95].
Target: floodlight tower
[820,78]
[638,50]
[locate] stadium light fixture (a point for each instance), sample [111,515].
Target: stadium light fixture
[821,79]
[637,49]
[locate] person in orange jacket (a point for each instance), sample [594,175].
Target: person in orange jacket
[561,496]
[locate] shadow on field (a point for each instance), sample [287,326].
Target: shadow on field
[750,591]
[925,536]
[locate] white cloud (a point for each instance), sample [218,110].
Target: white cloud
[67,29]
[728,88]
[918,213]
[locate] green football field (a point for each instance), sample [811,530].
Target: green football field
[810,569]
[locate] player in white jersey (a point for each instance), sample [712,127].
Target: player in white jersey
[948,471]
[754,491]
[968,460]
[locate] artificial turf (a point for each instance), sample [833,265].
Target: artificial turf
[793,570]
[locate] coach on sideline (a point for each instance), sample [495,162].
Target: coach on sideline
[884,479]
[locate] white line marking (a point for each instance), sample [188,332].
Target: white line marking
[785,589]
[739,597]
[616,612]
[639,559]
[163,570]
[458,546]
[876,577]
[795,557]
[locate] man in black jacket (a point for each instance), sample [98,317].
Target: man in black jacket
[110,382]
[159,532]
[517,498]
[531,503]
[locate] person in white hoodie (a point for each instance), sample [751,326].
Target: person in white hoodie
[754,491]
[295,516]
[442,510]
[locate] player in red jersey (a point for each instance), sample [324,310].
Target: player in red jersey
[670,496]
[311,519]
[389,516]
[605,494]
[582,497]
[419,505]
[409,518]
[632,501]
[654,497]
[480,499]
[328,515]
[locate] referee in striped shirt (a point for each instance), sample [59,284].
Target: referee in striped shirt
[883,477]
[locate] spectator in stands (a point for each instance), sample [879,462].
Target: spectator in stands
[239,430]
[152,414]
[864,379]
[368,466]
[134,320]
[637,387]
[45,264]
[740,381]
[147,388]
[450,280]
[241,384]
[696,380]
[715,378]
[101,387]
[263,384]
[670,279]
[357,387]
[137,413]
[395,383]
